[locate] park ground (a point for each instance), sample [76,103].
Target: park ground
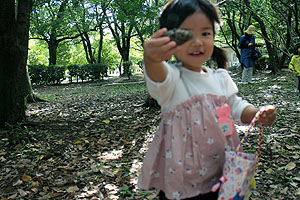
[87,141]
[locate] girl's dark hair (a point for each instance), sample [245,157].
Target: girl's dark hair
[178,10]
[296,49]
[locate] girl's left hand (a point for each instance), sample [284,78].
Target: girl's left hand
[269,116]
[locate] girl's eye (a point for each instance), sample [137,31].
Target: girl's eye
[206,33]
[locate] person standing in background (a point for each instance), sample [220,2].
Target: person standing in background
[247,46]
[295,64]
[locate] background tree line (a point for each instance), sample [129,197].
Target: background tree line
[112,32]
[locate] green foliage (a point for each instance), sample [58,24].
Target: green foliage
[37,53]
[63,53]
[58,19]
[18,134]
[87,72]
[110,55]
[73,71]
[97,71]
[126,191]
[55,74]
[44,75]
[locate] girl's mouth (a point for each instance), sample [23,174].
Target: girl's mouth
[196,53]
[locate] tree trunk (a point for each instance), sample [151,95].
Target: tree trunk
[52,45]
[24,83]
[14,30]
[101,31]
[88,48]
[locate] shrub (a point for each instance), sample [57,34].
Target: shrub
[73,72]
[97,71]
[87,72]
[36,73]
[41,74]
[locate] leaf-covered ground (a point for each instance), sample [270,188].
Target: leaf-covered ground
[87,141]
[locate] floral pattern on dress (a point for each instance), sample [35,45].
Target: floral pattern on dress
[187,156]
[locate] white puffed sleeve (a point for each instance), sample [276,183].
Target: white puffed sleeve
[236,103]
[163,91]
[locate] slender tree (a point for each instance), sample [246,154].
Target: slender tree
[122,32]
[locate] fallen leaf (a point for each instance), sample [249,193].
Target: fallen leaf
[22,192]
[86,141]
[52,195]
[19,182]
[13,196]
[296,178]
[45,188]
[284,191]
[106,121]
[117,171]
[72,189]
[269,171]
[35,190]
[291,166]
[26,178]
[35,184]
[298,192]
[2,159]
[106,172]
[289,147]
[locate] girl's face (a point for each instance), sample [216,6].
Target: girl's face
[197,51]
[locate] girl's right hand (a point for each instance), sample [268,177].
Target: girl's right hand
[158,49]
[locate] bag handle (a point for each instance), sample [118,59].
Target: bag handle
[252,124]
[258,154]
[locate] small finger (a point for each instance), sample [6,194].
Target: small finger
[159,33]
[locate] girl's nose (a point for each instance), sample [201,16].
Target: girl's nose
[197,41]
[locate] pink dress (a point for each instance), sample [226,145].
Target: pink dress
[186,156]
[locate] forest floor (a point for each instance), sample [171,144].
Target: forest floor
[87,141]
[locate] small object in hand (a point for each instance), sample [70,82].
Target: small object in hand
[180,36]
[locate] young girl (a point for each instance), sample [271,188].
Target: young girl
[186,156]
[295,64]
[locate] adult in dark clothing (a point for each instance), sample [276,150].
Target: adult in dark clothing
[247,45]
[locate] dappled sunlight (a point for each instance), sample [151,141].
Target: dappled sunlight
[146,143]
[38,111]
[241,129]
[91,191]
[111,155]
[112,190]
[135,168]
[275,87]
